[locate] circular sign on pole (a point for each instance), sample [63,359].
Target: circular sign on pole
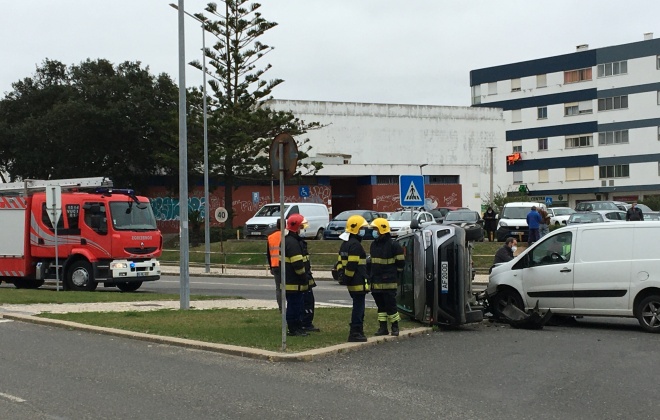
[290,155]
[221,214]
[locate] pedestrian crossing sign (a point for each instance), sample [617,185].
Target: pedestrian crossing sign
[411,190]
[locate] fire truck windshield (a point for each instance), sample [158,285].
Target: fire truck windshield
[126,215]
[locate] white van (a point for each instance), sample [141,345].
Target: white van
[595,269]
[264,221]
[513,220]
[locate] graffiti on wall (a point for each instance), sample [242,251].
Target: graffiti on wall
[451,199]
[390,202]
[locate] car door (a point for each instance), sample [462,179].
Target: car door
[548,273]
[603,269]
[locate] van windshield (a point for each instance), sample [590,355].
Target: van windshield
[270,211]
[515,212]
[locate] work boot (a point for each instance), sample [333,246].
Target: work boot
[395,329]
[383,329]
[356,335]
[311,328]
[298,332]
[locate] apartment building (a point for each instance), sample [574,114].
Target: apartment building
[580,126]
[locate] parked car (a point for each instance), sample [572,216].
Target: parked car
[559,215]
[513,220]
[439,213]
[400,220]
[469,220]
[264,221]
[596,205]
[612,215]
[604,269]
[338,224]
[585,217]
[644,208]
[652,215]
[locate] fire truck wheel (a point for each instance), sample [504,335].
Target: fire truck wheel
[129,286]
[80,277]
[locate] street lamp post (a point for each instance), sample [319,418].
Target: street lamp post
[207,205]
[490,197]
[421,166]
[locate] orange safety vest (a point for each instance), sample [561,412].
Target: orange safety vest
[274,240]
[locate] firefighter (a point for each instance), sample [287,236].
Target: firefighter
[352,265]
[387,262]
[273,257]
[308,299]
[297,282]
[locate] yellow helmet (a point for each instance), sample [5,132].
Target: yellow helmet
[354,223]
[382,225]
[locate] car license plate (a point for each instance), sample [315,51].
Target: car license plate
[255,233]
[517,233]
[142,273]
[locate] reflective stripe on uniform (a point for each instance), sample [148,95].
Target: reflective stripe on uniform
[394,318]
[296,287]
[383,261]
[358,288]
[382,286]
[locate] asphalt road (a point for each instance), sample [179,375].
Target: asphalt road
[598,369]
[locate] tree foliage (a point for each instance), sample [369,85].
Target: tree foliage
[91,119]
[241,125]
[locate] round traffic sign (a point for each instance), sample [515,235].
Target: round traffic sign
[221,214]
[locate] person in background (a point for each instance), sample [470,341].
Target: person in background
[544,226]
[634,213]
[533,222]
[273,257]
[490,222]
[505,253]
[297,282]
[387,261]
[352,263]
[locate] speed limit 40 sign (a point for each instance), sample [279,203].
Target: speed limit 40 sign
[221,214]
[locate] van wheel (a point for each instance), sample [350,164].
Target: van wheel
[501,299]
[80,277]
[319,234]
[556,223]
[648,314]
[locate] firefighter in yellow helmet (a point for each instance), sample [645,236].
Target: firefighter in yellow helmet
[387,262]
[352,266]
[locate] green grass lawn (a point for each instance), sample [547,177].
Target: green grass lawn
[11,295]
[249,328]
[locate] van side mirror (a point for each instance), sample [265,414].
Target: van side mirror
[414,223]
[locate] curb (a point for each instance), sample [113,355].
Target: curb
[271,356]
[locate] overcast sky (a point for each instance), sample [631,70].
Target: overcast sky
[381,51]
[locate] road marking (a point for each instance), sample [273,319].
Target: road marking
[12,398]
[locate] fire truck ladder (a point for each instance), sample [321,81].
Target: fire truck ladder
[30,185]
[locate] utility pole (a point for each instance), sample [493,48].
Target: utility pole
[490,197]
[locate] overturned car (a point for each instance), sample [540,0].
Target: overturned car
[436,285]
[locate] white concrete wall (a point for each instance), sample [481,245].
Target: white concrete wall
[391,139]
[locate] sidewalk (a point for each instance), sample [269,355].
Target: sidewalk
[214,271]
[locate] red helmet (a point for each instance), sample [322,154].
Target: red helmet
[295,222]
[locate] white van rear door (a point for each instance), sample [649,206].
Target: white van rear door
[602,268]
[549,277]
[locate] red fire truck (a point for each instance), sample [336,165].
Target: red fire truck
[103,235]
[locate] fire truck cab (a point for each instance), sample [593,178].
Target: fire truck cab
[102,235]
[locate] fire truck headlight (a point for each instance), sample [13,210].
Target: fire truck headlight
[118,265]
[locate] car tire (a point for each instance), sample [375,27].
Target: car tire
[473,231]
[319,235]
[501,299]
[648,313]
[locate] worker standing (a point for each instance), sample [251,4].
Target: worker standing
[352,264]
[308,298]
[273,256]
[297,282]
[387,262]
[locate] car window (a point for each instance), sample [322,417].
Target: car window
[554,250]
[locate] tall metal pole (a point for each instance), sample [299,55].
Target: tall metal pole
[183,171]
[282,242]
[490,196]
[207,205]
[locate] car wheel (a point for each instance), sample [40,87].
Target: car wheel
[556,223]
[473,231]
[648,313]
[129,286]
[319,234]
[503,298]
[80,277]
